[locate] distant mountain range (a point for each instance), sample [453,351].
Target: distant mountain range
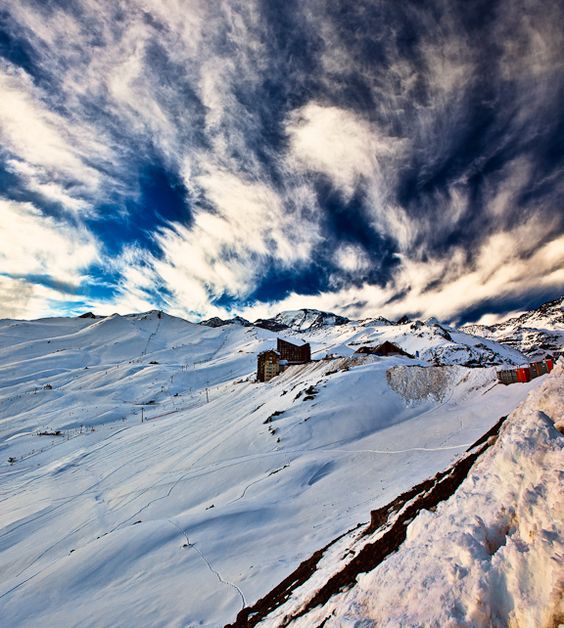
[296,320]
[534,333]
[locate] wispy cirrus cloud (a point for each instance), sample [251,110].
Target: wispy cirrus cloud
[34,244]
[249,155]
[444,288]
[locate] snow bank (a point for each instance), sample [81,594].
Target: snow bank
[489,555]
[416,383]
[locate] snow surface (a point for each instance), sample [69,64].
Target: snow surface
[491,555]
[227,484]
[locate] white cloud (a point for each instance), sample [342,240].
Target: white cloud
[50,151]
[224,251]
[494,319]
[352,258]
[34,244]
[39,181]
[22,299]
[338,143]
[499,271]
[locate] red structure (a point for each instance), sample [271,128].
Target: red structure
[526,373]
[523,374]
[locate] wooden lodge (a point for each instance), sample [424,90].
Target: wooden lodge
[270,362]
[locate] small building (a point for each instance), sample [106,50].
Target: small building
[268,365]
[294,354]
[386,348]
[523,374]
[507,376]
[538,369]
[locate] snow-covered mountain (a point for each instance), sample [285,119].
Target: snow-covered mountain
[535,333]
[220,322]
[301,320]
[142,465]
[430,340]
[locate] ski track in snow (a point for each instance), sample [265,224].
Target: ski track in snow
[151,336]
[193,546]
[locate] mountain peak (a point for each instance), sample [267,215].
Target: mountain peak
[216,321]
[304,319]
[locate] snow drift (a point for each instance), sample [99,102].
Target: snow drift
[490,555]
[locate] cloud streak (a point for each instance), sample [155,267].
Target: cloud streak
[210,157]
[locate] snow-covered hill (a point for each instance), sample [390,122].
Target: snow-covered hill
[478,545]
[535,333]
[172,486]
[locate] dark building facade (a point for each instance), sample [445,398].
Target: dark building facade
[294,354]
[268,365]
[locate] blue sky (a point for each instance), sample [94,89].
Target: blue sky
[218,158]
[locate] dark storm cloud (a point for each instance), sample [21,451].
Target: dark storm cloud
[257,155]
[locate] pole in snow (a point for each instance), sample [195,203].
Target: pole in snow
[141,414]
[207,396]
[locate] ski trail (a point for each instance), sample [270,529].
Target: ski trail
[151,336]
[209,565]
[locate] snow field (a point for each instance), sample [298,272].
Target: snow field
[488,556]
[220,493]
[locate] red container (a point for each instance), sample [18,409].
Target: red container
[523,374]
[549,364]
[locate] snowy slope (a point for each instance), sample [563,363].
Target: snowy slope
[487,556]
[534,333]
[227,485]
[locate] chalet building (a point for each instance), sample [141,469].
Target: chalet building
[294,354]
[270,363]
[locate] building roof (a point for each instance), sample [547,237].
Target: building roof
[269,351]
[294,344]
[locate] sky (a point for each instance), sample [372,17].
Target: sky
[247,157]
